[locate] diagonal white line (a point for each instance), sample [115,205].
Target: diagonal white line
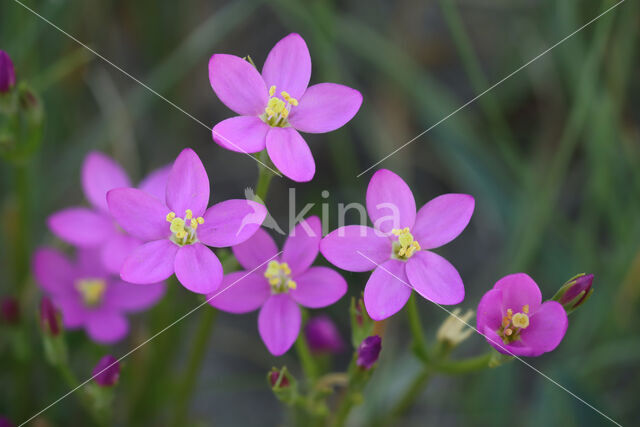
[177,107]
[169,326]
[500,345]
[490,88]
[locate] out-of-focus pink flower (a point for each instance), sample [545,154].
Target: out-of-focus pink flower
[93,227]
[177,227]
[107,372]
[323,336]
[5,422]
[515,321]
[7,72]
[369,351]
[10,310]
[281,284]
[275,106]
[88,296]
[398,246]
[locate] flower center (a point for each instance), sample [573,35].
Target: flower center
[512,324]
[277,110]
[184,229]
[279,277]
[92,290]
[406,245]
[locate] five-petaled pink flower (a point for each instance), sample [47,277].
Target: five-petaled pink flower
[93,227]
[515,321]
[278,286]
[178,226]
[396,247]
[274,106]
[89,296]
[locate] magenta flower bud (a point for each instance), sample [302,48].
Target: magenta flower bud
[369,351]
[49,318]
[273,379]
[10,311]
[323,336]
[575,292]
[107,372]
[7,72]
[5,422]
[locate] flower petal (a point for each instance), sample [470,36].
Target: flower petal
[139,214]
[107,327]
[53,271]
[188,185]
[546,329]
[256,250]
[124,296]
[356,248]
[519,290]
[81,226]
[318,287]
[231,222]
[150,263]
[243,134]
[291,154]
[325,107]
[390,202]
[387,290]
[516,348]
[155,183]
[100,173]
[198,268]
[490,310]
[240,292]
[279,323]
[288,66]
[434,278]
[116,250]
[238,84]
[442,219]
[74,313]
[302,245]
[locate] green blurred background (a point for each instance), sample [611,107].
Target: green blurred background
[552,157]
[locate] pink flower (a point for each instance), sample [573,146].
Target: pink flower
[88,296]
[93,227]
[178,226]
[396,248]
[514,320]
[280,285]
[274,106]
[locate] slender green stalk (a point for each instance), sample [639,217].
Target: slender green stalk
[465,366]
[415,325]
[409,396]
[264,177]
[198,351]
[309,366]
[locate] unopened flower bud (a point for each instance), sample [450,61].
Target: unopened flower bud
[49,317]
[323,336]
[361,324]
[275,375]
[7,72]
[107,372]
[575,292]
[369,351]
[455,328]
[10,311]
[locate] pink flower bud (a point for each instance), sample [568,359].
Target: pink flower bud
[10,310]
[7,72]
[107,372]
[369,351]
[323,336]
[49,317]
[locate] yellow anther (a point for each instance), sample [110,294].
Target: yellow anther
[509,313]
[200,220]
[293,102]
[269,111]
[285,113]
[272,90]
[292,284]
[171,216]
[508,332]
[194,223]
[91,290]
[177,224]
[188,214]
[520,320]
[525,308]
[285,95]
[505,321]
[276,105]
[274,281]
[181,234]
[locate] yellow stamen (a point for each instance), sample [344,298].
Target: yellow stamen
[188,214]
[520,320]
[525,308]
[508,332]
[293,102]
[272,90]
[91,290]
[292,284]
[509,313]
[408,246]
[285,95]
[200,220]
[194,223]
[177,225]
[171,216]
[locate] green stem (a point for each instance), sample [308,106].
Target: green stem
[415,325]
[309,366]
[409,396]
[465,366]
[72,382]
[264,177]
[198,351]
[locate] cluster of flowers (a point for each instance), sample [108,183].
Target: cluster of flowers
[132,239]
